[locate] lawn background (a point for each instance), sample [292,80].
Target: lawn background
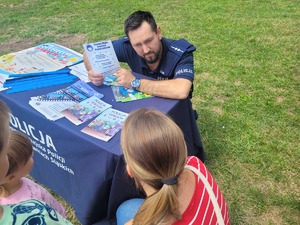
[246,84]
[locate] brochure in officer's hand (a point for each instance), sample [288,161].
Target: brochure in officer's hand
[102,57]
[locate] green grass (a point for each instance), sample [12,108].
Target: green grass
[246,87]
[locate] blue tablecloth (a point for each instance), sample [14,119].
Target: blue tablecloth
[87,172]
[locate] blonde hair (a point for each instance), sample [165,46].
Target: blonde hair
[4,123]
[155,150]
[19,150]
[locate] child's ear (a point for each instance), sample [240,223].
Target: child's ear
[9,178]
[129,170]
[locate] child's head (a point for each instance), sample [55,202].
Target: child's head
[4,131]
[155,152]
[19,155]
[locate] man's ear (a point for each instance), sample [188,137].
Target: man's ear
[159,32]
[129,170]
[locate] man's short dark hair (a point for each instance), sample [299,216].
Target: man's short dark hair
[135,20]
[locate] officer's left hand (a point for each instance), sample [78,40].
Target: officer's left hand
[124,77]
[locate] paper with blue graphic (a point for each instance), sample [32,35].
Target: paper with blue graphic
[102,57]
[42,58]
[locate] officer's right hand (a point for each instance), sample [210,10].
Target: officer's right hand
[96,78]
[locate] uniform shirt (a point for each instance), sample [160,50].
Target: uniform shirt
[31,212]
[177,59]
[32,190]
[200,210]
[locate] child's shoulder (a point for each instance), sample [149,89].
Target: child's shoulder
[32,185]
[193,161]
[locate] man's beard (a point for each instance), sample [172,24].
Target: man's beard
[152,59]
[156,55]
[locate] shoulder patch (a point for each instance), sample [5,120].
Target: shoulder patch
[181,46]
[125,39]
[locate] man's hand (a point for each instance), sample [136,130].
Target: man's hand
[124,77]
[96,78]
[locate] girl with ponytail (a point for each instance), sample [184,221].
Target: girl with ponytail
[156,158]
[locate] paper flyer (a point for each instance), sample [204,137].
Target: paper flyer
[85,110]
[102,57]
[3,78]
[111,80]
[51,104]
[123,94]
[80,71]
[42,58]
[106,125]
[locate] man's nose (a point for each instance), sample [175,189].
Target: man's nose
[146,49]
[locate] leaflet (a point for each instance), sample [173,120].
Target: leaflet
[111,80]
[102,57]
[85,110]
[106,125]
[80,71]
[51,104]
[123,94]
[3,78]
[41,58]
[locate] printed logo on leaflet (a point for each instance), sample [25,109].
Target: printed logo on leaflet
[89,48]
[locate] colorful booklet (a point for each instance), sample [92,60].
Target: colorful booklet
[102,57]
[106,125]
[42,58]
[85,110]
[123,94]
[51,104]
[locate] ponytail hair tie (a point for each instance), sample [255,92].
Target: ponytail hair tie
[170,181]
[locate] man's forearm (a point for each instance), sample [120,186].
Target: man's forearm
[175,89]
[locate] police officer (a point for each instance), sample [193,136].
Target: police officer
[169,62]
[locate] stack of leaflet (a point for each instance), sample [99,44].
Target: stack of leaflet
[30,81]
[51,104]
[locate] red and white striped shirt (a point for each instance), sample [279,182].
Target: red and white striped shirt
[201,210]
